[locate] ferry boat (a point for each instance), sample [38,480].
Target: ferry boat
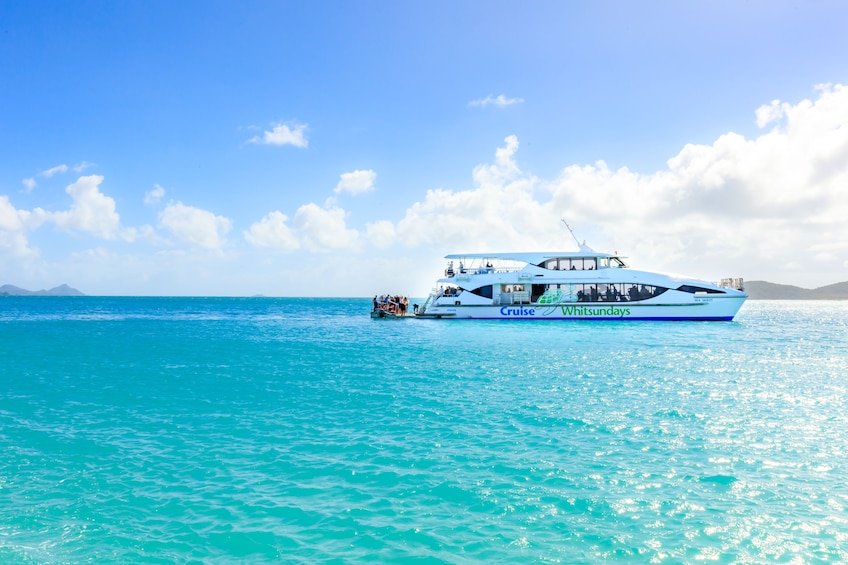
[581,285]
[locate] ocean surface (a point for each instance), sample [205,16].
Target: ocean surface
[258,430]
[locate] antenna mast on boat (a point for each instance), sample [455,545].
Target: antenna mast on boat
[571,231]
[580,246]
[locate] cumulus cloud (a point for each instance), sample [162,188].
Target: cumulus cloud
[13,225]
[91,210]
[501,210]
[323,229]
[272,231]
[283,134]
[155,195]
[500,101]
[356,182]
[771,206]
[381,234]
[770,112]
[195,226]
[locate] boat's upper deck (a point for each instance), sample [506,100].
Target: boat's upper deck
[583,260]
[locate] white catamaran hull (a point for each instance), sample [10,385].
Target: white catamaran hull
[707,308]
[581,285]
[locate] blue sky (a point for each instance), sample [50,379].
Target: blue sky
[342,148]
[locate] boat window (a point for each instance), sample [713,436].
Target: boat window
[693,289]
[578,263]
[560,264]
[484,291]
[581,264]
[617,263]
[614,292]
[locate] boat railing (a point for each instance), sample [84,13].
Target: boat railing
[515,297]
[731,282]
[521,297]
[466,272]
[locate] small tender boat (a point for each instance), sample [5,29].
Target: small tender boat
[577,285]
[389,315]
[390,307]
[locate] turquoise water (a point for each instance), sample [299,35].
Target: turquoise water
[175,430]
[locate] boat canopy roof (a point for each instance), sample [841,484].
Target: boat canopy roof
[533,258]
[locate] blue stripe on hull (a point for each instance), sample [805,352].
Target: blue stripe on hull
[630,319]
[617,319]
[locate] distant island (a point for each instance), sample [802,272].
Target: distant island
[762,290]
[757,290]
[62,290]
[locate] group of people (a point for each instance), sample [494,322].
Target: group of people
[449,291]
[449,272]
[397,305]
[612,294]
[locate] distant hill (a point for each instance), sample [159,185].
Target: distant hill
[762,290]
[62,290]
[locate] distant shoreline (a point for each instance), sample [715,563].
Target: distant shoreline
[61,290]
[763,290]
[757,290]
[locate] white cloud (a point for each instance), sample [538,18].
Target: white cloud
[500,101]
[195,226]
[283,134]
[770,113]
[771,206]
[155,195]
[272,231]
[29,184]
[82,166]
[54,170]
[13,226]
[356,182]
[500,212]
[324,229]
[91,210]
[381,234]
[750,207]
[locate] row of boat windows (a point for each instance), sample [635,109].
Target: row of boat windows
[616,292]
[582,263]
[611,292]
